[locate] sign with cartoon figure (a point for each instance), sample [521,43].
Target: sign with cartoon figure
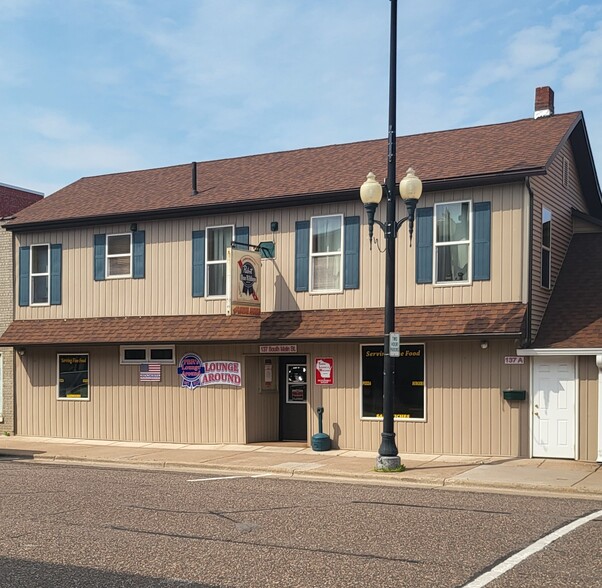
[243,282]
[195,373]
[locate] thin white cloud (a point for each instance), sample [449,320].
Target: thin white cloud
[55,125]
[98,157]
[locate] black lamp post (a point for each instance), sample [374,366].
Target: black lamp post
[410,189]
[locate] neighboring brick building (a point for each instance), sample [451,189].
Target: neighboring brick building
[12,200]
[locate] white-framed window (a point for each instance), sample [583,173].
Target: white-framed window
[453,246]
[135,354]
[119,256]
[73,375]
[326,253]
[546,247]
[39,291]
[218,241]
[409,397]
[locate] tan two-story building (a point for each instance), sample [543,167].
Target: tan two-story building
[122,332]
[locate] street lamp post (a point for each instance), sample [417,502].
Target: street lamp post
[410,189]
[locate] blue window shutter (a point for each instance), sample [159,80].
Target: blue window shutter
[138,254]
[198,263]
[56,273]
[481,249]
[23,276]
[241,235]
[100,245]
[351,276]
[424,245]
[301,256]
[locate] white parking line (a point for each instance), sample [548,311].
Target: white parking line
[229,478]
[517,558]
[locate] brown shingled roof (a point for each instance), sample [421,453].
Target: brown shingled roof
[573,318]
[412,322]
[493,150]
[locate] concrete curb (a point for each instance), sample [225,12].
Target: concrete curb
[371,478]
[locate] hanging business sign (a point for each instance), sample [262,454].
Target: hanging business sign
[194,372]
[324,371]
[243,282]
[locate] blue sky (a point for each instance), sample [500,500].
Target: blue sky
[91,87]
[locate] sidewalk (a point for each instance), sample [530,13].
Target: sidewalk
[498,474]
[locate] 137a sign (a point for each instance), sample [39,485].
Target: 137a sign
[514,360]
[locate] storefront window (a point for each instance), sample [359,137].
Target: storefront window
[73,376]
[408,400]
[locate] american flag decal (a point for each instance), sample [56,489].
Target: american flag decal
[150,372]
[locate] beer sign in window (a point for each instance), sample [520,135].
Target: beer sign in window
[73,376]
[408,397]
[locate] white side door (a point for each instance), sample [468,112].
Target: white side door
[553,407]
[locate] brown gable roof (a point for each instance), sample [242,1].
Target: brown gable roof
[519,147]
[573,319]
[477,320]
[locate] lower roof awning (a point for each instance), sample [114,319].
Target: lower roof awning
[418,322]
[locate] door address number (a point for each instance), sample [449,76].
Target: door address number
[514,360]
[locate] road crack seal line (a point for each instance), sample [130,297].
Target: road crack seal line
[267,545]
[499,512]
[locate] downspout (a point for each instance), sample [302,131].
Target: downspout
[527,339]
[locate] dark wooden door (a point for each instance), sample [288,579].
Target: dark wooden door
[294,390]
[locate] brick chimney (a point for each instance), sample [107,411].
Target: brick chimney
[544,102]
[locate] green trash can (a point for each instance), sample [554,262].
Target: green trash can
[320,441]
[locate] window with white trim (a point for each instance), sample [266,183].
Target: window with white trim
[453,245]
[326,253]
[218,241]
[40,275]
[135,354]
[119,256]
[546,247]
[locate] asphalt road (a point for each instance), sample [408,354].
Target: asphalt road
[73,526]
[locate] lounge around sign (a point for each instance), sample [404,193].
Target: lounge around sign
[195,373]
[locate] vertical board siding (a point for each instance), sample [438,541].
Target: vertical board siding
[588,408]
[123,408]
[465,410]
[262,406]
[166,288]
[549,192]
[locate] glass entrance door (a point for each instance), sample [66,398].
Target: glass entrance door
[293,398]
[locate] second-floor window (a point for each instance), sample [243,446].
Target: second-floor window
[452,242]
[218,240]
[40,275]
[326,252]
[119,256]
[546,247]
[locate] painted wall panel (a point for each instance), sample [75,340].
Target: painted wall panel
[588,408]
[121,407]
[549,192]
[465,412]
[167,287]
